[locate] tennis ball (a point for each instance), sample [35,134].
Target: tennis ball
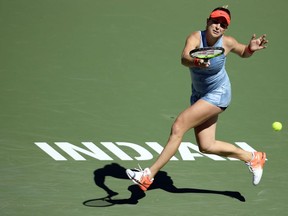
[277,126]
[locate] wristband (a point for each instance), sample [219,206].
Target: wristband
[197,62]
[249,50]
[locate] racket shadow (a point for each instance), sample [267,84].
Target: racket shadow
[162,181]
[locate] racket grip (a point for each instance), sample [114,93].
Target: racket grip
[198,62]
[206,62]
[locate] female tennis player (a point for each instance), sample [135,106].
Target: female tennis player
[211,95]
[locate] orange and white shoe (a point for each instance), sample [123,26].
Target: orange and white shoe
[256,166]
[140,177]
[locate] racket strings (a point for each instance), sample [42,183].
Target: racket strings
[207,52]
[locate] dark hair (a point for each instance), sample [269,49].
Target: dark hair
[223,9]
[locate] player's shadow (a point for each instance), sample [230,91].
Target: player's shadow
[162,181]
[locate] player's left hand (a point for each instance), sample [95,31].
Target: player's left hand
[258,43]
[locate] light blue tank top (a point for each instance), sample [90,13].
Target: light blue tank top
[205,80]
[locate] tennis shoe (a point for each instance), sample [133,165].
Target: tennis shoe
[256,166]
[140,177]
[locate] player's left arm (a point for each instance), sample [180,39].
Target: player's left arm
[245,51]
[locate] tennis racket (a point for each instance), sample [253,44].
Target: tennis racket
[206,53]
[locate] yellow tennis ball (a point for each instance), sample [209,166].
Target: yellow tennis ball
[277,126]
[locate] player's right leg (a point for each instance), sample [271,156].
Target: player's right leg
[189,118]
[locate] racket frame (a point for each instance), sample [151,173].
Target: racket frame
[209,55]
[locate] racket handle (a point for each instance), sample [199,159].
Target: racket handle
[207,62]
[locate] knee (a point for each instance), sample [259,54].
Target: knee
[177,128]
[205,148]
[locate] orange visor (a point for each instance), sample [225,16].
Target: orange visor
[220,13]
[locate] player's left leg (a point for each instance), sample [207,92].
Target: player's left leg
[205,136]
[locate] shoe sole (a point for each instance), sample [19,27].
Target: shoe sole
[262,163]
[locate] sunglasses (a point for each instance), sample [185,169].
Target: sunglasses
[222,25]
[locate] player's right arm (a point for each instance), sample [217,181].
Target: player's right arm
[192,42]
